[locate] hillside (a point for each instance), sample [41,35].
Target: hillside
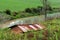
[16,5]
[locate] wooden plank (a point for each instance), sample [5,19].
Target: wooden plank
[39,26]
[33,27]
[22,28]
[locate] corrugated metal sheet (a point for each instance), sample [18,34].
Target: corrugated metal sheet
[26,27]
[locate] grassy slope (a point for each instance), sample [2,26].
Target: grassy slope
[16,5]
[54,3]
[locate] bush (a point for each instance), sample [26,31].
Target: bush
[28,10]
[8,12]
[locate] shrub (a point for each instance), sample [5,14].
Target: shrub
[8,12]
[28,10]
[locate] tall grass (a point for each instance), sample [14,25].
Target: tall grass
[52,32]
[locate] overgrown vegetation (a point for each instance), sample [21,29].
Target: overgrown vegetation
[52,32]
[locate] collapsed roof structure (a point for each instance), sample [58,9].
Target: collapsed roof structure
[21,28]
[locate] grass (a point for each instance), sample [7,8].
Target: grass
[19,5]
[52,32]
[54,3]
[16,5]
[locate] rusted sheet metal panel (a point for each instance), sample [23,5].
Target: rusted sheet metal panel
[26,27]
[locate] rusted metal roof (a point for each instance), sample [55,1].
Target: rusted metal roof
[26,27]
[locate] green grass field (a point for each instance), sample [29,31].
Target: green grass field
[18,5]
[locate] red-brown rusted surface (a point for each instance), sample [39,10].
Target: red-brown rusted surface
[26,27]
